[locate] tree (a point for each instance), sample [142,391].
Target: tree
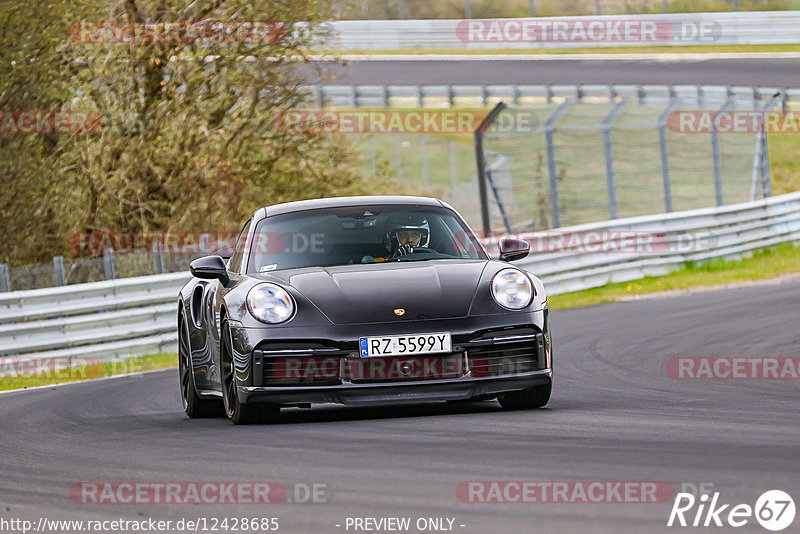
[188,97]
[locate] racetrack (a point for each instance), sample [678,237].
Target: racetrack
[764,72]
[615,415]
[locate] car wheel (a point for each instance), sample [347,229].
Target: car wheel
[535,397]
[238,413]
[195,406]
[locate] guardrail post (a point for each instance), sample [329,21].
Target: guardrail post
[322,97]
[531,8]
[355,96]
[58,270]
[108,264]
[386,96]
[5,283]
[158,257]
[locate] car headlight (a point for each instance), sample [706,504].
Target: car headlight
[270,303]
[512,289]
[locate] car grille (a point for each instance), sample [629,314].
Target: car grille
[495,354]
[310,368]
[506,355]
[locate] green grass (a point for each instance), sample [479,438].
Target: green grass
[18,378]
[763,264]
[691,49]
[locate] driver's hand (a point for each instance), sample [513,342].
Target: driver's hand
[402,250]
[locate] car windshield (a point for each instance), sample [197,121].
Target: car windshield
[362,234]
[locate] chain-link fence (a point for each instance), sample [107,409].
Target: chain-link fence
[582,154]
[586,162]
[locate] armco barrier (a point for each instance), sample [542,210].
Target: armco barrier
[674,29]
[103,319]
[117,318]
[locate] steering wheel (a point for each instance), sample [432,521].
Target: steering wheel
[416,250]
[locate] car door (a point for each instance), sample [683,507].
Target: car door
[218,295]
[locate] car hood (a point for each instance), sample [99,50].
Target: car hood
[355,294]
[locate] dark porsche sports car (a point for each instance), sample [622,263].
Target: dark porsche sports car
[360,300]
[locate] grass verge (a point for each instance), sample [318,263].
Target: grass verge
[763,264]
[18,373]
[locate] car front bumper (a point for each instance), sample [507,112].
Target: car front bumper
[490,355]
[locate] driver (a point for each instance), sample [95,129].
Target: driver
[405,234]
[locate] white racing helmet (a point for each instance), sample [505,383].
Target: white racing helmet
[399,223]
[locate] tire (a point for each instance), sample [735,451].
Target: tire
[238,413]
[531,398]
[195,406]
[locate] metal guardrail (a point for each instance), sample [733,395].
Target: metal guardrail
[113,319]
[102,320]
[436,95]
[675,29]
[696,235]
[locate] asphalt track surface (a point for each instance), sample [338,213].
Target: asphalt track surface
[767,72]
[615,415]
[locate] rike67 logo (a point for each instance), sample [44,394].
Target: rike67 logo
[774,510]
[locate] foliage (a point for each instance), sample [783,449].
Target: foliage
[189,140]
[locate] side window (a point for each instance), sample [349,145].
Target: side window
[235,263]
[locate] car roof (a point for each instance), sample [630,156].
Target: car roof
[334,202]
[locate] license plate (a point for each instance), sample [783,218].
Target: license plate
[403,345]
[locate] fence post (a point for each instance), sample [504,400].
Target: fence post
[158,257]
[715,152]
[549,128]
[5,282]
[662,138]
[58,270]
[108,264]
[480,159]
[531,8]
[766,178]
[451,156]
[423,147]
[612,188]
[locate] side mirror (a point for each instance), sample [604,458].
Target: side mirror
[210,267]
[513,249]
